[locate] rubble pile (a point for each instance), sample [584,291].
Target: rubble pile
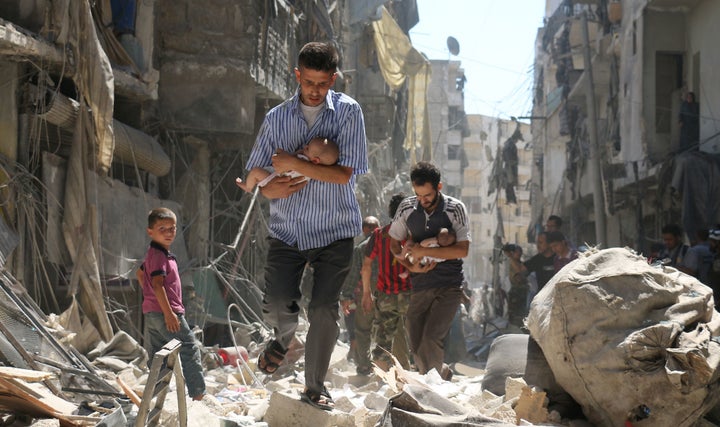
[239,395]
[662,342]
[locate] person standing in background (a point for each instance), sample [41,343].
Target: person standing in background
[675,250]
[357,321]
[689,123]
[517,297]
[564,254]
[554,223]
[388,299]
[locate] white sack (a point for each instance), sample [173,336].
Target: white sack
[618,333]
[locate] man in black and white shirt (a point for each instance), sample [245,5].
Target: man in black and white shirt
[437,287]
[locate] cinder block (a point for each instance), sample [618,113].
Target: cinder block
[287,410]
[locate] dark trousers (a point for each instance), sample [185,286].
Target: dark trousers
[429,317]
[283,274]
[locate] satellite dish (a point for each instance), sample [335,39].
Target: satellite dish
[453,45]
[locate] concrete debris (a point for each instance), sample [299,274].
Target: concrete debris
[531,406]
[235,398]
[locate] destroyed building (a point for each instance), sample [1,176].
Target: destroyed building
[610,77]
[169,96]
[112,107]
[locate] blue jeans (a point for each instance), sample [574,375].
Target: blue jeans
[157,335]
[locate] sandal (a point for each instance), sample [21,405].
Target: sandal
[270,359]
[320,400]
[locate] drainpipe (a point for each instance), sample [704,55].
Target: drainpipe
[595,159]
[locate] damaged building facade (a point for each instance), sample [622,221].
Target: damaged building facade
[610,77]
[496,193]
[114,107]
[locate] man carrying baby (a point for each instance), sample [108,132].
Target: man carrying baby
[319,151]
[437,287]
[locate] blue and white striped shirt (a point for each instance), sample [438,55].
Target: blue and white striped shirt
[320,213]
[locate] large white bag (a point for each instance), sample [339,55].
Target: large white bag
[619,333]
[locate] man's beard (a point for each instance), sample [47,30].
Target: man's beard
[433,204]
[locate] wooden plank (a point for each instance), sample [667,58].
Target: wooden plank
[129,392]
[24,374]
[39,395]
[15,403]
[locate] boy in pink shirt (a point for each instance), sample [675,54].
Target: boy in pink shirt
[162,306]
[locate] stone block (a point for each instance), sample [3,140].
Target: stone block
[337,379]
[370,419]
[513,388]
[361,380]
[369,387]
[532,406]
[343,404]
[288,410]
[376,401]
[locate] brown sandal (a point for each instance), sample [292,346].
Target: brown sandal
[270,359]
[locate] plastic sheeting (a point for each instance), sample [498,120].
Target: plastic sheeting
[399,60]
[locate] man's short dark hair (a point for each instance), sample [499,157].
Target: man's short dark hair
[673,229]
[556,219]
[319,56]
[424,172]
[394,203]
[370,221]
[555,236]
[512,247]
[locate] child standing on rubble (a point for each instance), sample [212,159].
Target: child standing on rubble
[162,300]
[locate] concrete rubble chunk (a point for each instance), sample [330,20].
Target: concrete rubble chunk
[287,410]
[513,388]
[375,401]
[532,406]
[344,404]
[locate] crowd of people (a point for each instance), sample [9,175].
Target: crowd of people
[701,259]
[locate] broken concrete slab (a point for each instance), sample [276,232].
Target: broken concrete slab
[287,410]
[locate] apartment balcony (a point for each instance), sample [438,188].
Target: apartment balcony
[600,63]
[21,44]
